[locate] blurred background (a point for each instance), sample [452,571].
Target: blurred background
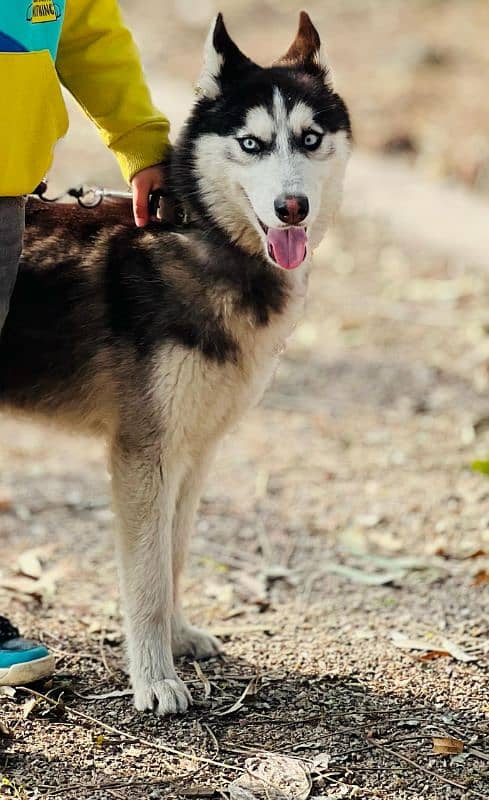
[413,73]
[344,509]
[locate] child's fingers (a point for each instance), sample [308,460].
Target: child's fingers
[140,202]
[144,182]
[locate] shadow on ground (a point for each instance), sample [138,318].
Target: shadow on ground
[346,734]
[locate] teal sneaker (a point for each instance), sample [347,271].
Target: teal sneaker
[22,661]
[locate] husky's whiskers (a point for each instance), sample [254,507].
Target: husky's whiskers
[161,338]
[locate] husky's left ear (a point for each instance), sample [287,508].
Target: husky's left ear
[305,52]
[223,60]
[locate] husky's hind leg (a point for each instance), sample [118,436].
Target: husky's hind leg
[187,639]
[145,490]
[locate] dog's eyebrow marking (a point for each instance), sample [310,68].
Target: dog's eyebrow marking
[301,118]
[258,123]
[280,118]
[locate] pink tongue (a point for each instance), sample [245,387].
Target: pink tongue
[287,246]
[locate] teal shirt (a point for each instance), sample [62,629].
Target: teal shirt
[31,26]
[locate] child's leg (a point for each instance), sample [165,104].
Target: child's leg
[12,220]
[21,660]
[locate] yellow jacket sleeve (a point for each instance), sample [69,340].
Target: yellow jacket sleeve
[99,64]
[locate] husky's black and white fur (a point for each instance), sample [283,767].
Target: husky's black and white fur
[161,338]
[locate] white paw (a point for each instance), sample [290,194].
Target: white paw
[167,696]
[190,641]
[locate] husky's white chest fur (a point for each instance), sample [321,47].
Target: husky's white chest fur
[207,399]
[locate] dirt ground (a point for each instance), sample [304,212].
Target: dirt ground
[342,521]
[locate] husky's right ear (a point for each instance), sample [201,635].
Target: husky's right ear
[222,60]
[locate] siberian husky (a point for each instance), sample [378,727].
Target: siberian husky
[160,338]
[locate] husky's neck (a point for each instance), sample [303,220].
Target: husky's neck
[233,252]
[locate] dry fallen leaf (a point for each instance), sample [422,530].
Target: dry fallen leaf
[29,565]
[5,501]
[481,578]
[456,651]
[251,588]
[367,578]
[251,690]
[440,648]
[203,679]
[393,563]
[22,586]
[477,554]
[106,695]
[432,655]
[42,588]
[273,777]
[447,745]
[29,707]
[133,751]
[321,761]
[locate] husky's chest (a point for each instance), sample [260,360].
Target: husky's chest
[203,399]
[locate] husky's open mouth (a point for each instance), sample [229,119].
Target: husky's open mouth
[286,246]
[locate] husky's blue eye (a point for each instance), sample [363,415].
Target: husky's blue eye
[250,145]
[311,140]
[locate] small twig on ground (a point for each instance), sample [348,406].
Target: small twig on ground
[212,735]
[80,656]
[103,654]
[203,680]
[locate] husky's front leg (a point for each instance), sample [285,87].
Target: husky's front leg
[145,495]
[186,638]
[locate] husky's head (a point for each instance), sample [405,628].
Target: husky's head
[263,155]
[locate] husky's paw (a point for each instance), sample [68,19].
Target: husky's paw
[190,641]
[167,696]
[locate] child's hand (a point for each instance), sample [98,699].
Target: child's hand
[143,183]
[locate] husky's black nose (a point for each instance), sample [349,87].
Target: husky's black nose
[292,208]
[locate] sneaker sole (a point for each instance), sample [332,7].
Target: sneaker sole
[27,672]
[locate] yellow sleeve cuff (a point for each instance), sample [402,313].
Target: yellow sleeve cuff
[142,147]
